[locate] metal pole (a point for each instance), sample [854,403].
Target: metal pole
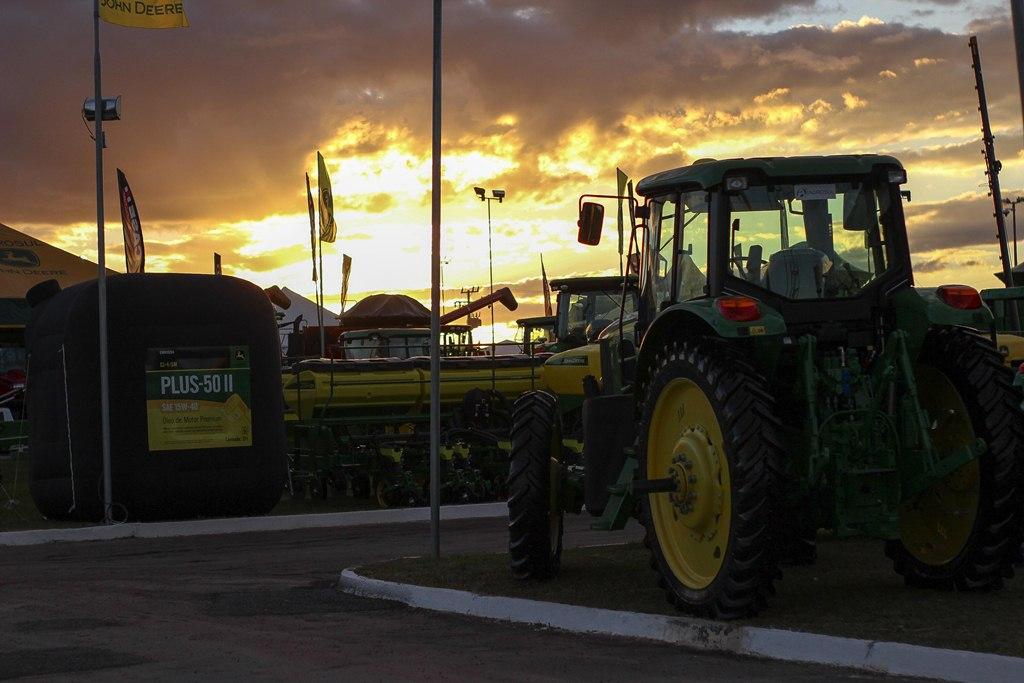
[490,267]
[435,298]
[320,304]
[490,270]
[101,246]
[1013,207]
[993,167]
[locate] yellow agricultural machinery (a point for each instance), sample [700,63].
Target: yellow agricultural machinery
[359,425]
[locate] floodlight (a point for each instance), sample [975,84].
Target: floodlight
[111,109]
[498,194]
[480,192]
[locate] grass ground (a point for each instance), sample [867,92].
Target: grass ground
[851,591]
[18,513]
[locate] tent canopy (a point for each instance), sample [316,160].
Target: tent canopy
[26,261]
[301,306]
[385,310]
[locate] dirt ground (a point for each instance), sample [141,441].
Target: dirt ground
[263,606]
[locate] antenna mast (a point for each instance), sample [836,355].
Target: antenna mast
[992,168]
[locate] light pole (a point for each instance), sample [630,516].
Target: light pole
[1012,203]
[499,196]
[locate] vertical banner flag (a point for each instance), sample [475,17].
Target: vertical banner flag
[216,264]
[620,182]
[547,287]
[134,248]
[312,224]
[346,268]
[144,14]
[328,228]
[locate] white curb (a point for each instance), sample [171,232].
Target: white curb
[793,646]
[236,525]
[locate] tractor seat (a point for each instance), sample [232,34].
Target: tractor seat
[797,273]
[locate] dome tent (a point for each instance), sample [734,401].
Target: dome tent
[385,310]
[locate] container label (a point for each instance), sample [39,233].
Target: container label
[198,397]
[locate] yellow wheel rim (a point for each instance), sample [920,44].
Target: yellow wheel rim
[684,442]
[936,524]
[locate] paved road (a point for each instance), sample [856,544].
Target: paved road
[262,606]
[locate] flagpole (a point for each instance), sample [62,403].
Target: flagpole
[435,297]
[320,306]
[102,276]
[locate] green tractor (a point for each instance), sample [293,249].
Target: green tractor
[785,377]
[586,308]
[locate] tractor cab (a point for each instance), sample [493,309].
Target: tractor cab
[792,233]
[536,333]
[1009,337]
[586,306]
[405,342]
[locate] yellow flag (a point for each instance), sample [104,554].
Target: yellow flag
[328,228]
[144,13]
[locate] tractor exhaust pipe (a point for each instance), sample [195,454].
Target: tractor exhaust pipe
[503,296]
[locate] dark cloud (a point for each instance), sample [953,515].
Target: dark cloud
[221,119]
[938,264]
[964,221]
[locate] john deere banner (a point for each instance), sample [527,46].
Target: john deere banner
[26,261]
[346,269]
[328,228]
[134,247]
[144,14]
[547,288]
[620,188]
[198,397]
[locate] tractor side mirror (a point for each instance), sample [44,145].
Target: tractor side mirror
[590,223]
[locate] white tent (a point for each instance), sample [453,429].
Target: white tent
[301,306]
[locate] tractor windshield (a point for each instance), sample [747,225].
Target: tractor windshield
[583,315]
[820,240]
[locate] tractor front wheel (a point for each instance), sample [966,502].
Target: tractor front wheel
[535,487]
[959,533]
[709,426]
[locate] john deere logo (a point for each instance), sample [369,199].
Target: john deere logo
[19,258]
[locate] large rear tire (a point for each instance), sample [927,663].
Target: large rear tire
[534,486]
[961,533]
[708,422]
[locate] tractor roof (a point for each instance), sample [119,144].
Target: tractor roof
[538,321]
[709,172]
[399,331]
[591,284]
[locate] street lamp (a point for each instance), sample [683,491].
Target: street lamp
[499,196]
[1012,203]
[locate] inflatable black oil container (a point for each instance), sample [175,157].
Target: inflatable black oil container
[197,425]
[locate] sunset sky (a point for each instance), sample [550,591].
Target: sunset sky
[543,99]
